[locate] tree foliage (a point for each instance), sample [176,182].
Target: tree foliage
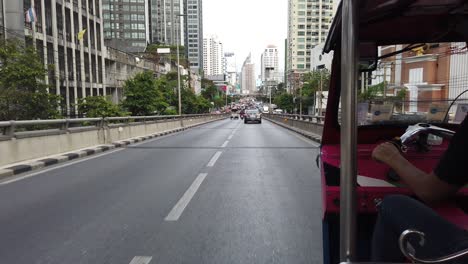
[143,95]
[212,93]
[284,101]
[23,92]
[314,81]
[99,106]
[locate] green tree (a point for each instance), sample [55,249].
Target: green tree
[285,101]
[23,93]
[99,106]
[143,95]
[212,93]
[312,82]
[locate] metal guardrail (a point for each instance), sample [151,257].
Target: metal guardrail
[9,129]
[307,118]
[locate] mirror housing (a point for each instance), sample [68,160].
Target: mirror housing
[368,56]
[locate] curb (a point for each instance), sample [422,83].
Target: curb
[38,164]
[308,135]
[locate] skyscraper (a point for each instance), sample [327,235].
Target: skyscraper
[308,25]
[193,29]
[213,57]
[248,83]
[126,24]
[230,68]
[166,23]
[269,64]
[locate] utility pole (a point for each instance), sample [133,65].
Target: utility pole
[320,95]
[270,93]
[300,101]
[178,78]
[178,67]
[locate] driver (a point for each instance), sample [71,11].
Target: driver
[398,213]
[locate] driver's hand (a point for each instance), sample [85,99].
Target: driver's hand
[385,152]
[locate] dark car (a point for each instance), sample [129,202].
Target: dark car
[253,115]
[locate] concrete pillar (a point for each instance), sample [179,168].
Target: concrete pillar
[14,19]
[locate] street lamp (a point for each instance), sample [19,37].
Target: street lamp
[178,69]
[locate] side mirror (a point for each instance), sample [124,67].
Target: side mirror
[368,56]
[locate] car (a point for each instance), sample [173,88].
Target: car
[278,111]
[252,115]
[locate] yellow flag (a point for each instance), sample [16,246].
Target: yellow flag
[81,34]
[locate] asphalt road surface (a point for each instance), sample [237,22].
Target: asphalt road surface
[224,192]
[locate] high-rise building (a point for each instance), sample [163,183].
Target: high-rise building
[166,23]
[126,24]
[230,67]
[308,25]
[67,35]
[269,65]
[193,29]
[213,57]
[248,83]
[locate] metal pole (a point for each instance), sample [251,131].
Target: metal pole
[320,95]
[300,101]
[270,94]
[178,78]
[349,82]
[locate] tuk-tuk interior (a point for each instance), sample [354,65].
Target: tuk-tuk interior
[391,33]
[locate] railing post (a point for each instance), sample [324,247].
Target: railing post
[10,130]
[64,125]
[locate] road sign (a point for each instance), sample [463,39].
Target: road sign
[163,50]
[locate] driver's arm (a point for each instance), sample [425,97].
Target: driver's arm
[427,186]
[450,174]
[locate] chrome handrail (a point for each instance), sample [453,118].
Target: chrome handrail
[411,256]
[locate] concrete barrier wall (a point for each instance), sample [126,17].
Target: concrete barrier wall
[306,125]
[32,145]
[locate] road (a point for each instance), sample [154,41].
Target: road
[224,192]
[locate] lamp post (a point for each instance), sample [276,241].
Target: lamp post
[178,69]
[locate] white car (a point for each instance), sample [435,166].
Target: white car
[234,115]
[278,111]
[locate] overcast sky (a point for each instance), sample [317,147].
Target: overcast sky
[247,26]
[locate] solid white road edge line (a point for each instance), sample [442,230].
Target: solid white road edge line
[180,206]
[15,179]
[225,144]
[214,159]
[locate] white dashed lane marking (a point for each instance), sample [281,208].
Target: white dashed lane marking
[141,260]
[214,159]
[179,208]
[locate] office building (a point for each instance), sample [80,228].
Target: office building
[270,65]
[126,24]
[213,57]
[57,29]
[308,25]
[193,30]
[230,66]
[166,24]
[248,82]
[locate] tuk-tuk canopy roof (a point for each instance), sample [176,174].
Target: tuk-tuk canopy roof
[388,22]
